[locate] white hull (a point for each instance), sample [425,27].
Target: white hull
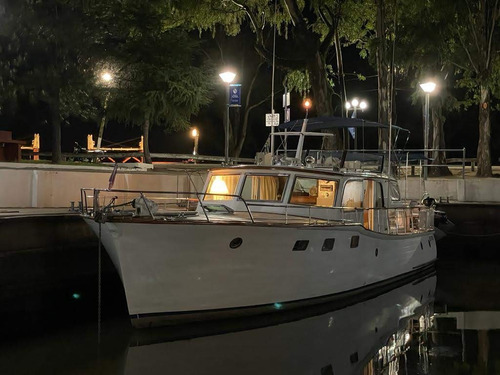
[179,267]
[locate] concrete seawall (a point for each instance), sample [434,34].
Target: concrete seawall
[46,186]
[462,190]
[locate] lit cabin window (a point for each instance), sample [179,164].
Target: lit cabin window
[264,187]
[314,192]
[220,186]
[363,194]
[353,194]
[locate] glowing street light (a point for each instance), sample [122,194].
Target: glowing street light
[195,134]
[428,88]
[307,103]
[354,105]
[106,79]
[227,77]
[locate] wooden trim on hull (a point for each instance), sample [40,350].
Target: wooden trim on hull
[288,311]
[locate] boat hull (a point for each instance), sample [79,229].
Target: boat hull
[188,271]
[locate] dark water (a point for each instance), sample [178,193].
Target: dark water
[445,322]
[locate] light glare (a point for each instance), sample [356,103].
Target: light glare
[227,77]
[428,87]
[106,77]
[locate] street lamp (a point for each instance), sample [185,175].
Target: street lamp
[427,87]
[354,105]
[106,79]
[227,77]
[195,134]
[307,103]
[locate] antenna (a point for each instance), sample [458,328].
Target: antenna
[272,83]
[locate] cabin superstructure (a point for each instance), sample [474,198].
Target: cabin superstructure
[342,197]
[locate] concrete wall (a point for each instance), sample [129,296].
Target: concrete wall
[470,189]
[47,186]
[23,185]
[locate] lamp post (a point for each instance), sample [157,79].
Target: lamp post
[195,134]
[227,77]
[307,104]
[427,87]
[106,79]
[354,105]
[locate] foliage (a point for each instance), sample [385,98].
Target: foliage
[41,59]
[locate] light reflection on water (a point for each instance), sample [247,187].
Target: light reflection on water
[412,329]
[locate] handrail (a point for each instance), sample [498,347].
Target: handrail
[394,220]
[142,193]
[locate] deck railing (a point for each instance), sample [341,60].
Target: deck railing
[102,204]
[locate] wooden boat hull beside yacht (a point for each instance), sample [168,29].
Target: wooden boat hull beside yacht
[190,271]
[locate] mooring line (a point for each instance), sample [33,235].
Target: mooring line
[99,288]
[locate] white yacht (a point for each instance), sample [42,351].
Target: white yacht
[261,238]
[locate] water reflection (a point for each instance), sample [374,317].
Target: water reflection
[445,324]
[363,338]
[367,337]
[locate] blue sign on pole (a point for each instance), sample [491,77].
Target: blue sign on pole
[235,95]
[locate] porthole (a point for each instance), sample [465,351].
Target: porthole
[354,241]
[300,245]
[235,243]
[354,357]
[421,246]
[376,252]
[328,244]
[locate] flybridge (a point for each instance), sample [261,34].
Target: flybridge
[309,142]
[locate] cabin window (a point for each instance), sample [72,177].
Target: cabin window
[363,194]
[394,191]
[353,194]
[220,186]
[314,192]
[263,187]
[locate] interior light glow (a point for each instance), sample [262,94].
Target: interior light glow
[218,186]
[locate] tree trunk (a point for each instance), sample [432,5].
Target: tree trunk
[56,132]
[383,75]
[322,98]
[321,91]
[438,144]
[145,134]
[483,147]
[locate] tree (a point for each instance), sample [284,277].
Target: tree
[44,57]
[309,35]
[161,78]
[477,55]
[422,51]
